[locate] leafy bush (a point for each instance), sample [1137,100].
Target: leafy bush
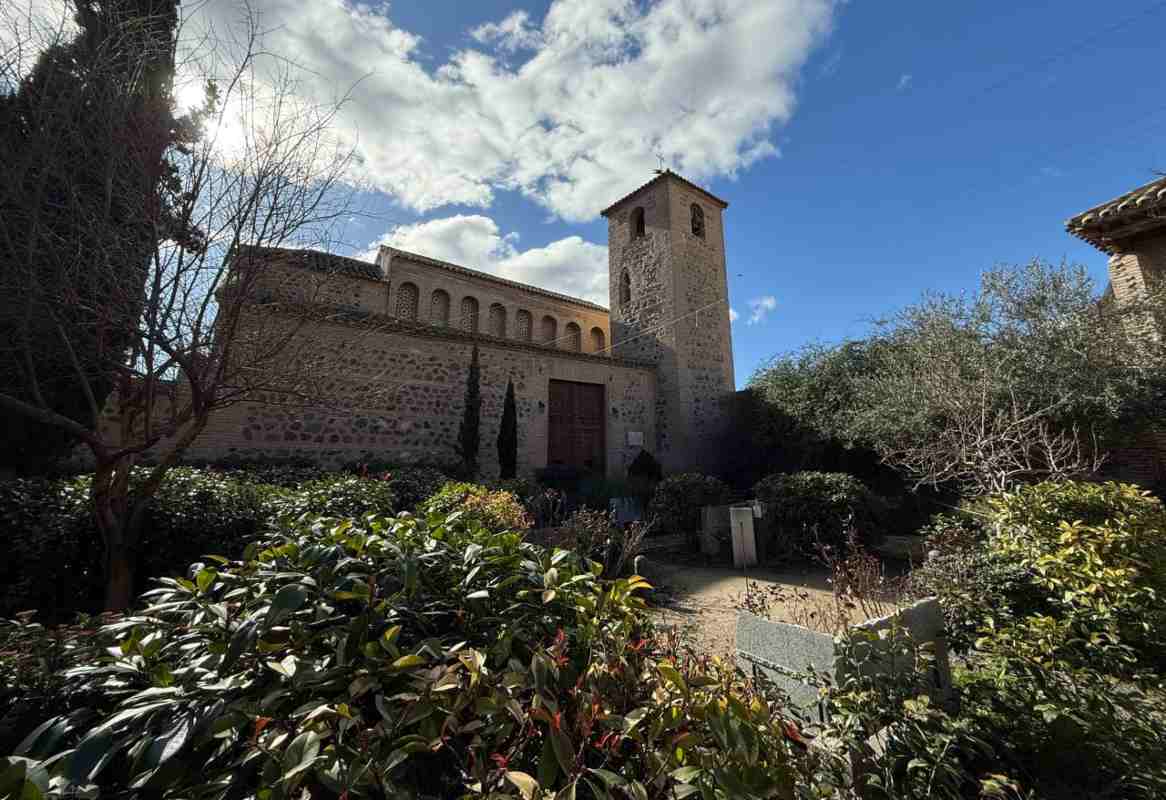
[523,489]
[973,583]
[494,510]
[33,663]
[340,496]
[60,556]
[407,658]
[678,499]
[808,508]
[1099,552]
[51,546]
[413,485]
[1055,600]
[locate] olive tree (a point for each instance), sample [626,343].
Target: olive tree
[1027,378]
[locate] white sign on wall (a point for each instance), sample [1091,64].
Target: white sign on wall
[635,438]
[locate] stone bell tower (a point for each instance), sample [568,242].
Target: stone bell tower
[669,306]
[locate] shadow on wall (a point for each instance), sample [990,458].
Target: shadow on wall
[764,440]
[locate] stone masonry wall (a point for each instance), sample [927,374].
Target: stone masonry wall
[677,318]
[398,396]
[639,327]
[1141,263]
[704,338]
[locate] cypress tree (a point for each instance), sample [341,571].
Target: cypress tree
[508,435]
[467,435]
[84,139]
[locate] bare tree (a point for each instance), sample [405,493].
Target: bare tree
[215,318]
[984,435]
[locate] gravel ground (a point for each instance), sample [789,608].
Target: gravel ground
[700,600]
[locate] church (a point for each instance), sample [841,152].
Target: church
[594,386]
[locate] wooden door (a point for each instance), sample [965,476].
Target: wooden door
[576,435]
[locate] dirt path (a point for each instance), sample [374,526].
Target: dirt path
[701,600]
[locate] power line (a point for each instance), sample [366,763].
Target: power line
[1072,49]
[649,331]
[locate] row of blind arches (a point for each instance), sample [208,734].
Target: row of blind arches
[408,302]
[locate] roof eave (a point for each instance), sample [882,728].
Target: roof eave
[665,174]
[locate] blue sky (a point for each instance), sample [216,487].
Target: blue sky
[869,150]
[929,142]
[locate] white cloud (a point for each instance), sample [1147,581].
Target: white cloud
[511,34]
[733,315]
[904,82]
[572,265]
[599,87]
[760,308]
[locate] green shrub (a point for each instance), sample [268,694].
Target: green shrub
[1098,550]
[60,554]
[407,658]
[51,549]
[412,485]
[812,508]
[494,510]
[1054,598]
[975,587]
[34,660]
[521,488]
[1027,727]
[678,499]
[339,496]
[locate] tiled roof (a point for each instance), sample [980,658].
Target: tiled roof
[660,177]
[1134,212]
[486,276]
[317,261]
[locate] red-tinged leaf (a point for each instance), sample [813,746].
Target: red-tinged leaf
[792,733]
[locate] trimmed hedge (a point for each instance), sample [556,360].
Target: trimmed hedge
[818,508]
[678,499]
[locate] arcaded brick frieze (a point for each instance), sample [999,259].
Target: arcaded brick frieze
[447,295]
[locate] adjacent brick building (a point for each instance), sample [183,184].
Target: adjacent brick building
[1131,229]
[594,386]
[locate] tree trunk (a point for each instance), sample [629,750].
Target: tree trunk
[119,578]
[109,500]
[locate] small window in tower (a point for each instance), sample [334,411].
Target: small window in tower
[697,221]
[525,323]
[638,228]
[625,288]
